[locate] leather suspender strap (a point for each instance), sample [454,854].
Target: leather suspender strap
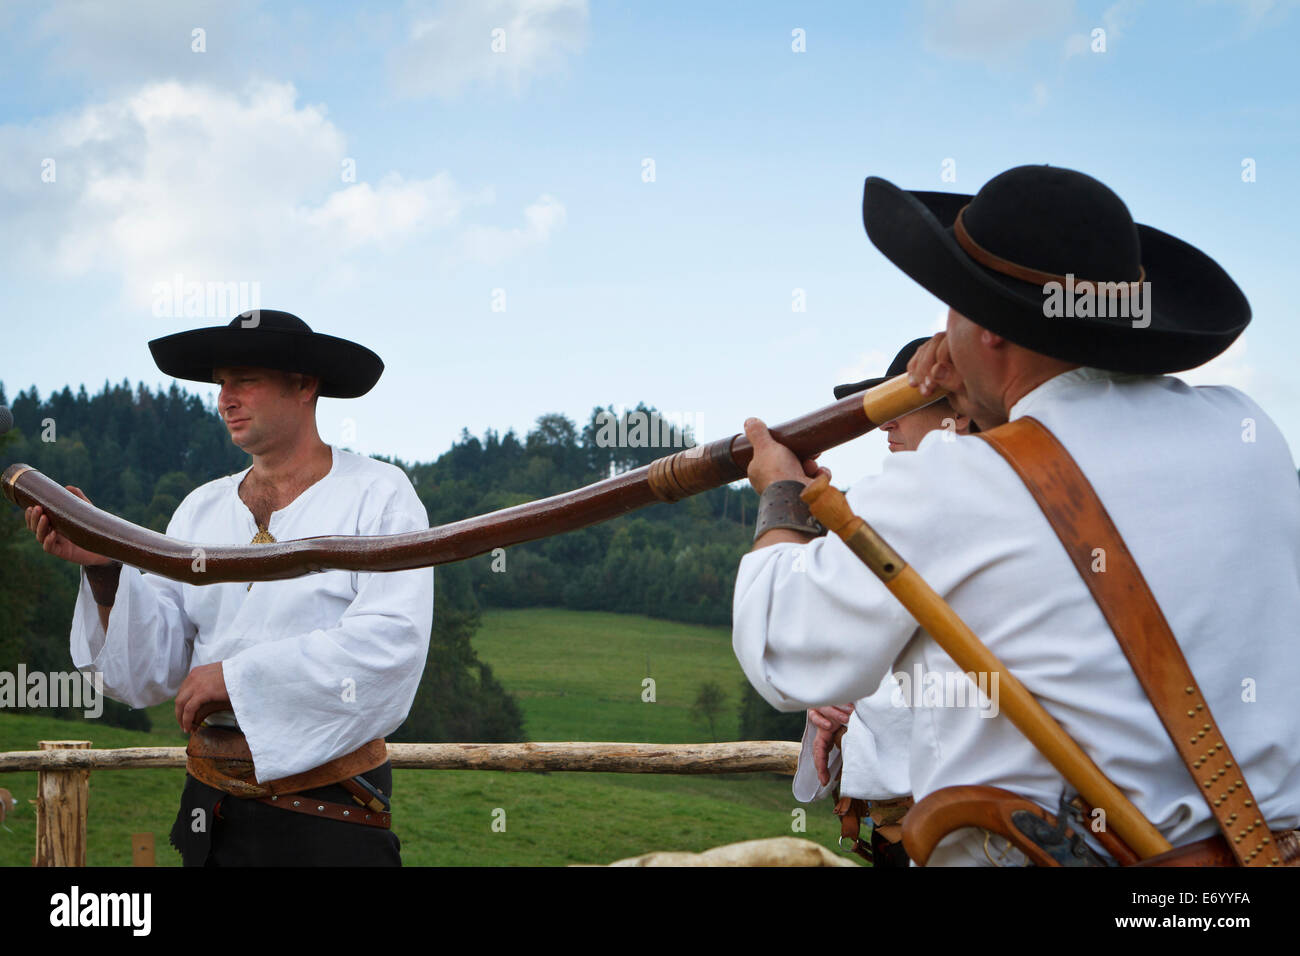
[850,810]
[886,846]
[1081,522]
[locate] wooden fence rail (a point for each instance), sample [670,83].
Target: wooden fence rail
[64,768]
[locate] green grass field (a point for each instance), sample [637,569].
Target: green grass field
[577,676]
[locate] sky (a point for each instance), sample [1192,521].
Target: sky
[538,206]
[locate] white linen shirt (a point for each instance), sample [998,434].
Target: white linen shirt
[1203,489]
[315,666]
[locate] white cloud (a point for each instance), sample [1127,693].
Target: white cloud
[219,187]
[490,245]
[1118,17]
[391,212]
[1256,13]
[173,174]
[991,31]
[128,42]
[451,46]
[1077,44]
[1115,21]
[1040,96]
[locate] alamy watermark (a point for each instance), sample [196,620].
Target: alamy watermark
[58,689]
[179,299]
[1100,300]
[129,910]
[642,429]
[969,689]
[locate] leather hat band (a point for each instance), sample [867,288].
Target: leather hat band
[1017,271]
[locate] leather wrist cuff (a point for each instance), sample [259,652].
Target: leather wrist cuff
[103,579]
[779,506]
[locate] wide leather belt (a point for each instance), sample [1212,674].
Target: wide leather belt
[220,758]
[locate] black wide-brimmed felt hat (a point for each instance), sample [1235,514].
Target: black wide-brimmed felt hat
[897,367]
[265,338]
[993,257]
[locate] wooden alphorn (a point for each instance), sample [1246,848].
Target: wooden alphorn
[676,476]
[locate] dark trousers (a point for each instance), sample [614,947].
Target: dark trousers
[251,833]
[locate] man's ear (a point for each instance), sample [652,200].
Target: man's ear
[963,424]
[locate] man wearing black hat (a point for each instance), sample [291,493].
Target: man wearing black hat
[306,675]
[1065,312]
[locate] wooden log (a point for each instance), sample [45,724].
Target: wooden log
[747,756]
[122,758]
[142,849]
[62,799]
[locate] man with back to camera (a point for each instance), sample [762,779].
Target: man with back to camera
[1170,463]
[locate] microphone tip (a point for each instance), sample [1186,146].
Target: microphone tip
[6,419]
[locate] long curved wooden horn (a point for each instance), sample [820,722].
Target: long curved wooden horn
[671,478]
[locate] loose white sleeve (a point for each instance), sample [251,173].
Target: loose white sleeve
[873,753]
[812,626]
[805,786]
[145,653]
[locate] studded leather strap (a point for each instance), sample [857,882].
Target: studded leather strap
[301,803]
[1082,523]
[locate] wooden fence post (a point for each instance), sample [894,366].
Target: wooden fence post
[62,797]
[142,849]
